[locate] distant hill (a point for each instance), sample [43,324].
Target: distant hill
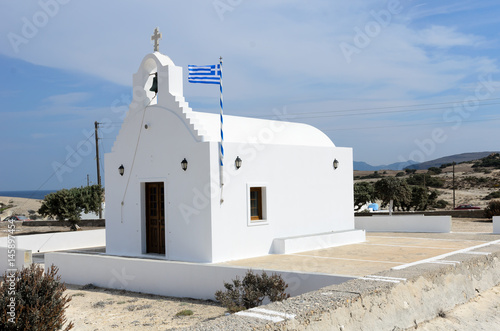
[450,159]
[363,166]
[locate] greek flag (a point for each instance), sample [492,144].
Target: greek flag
[210,74]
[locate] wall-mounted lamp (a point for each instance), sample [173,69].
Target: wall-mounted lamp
[121,170]
[237,162]
[184,164]
[335,164]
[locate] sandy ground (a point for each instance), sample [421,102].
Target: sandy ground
[21,206]
[481,313]
[100,309]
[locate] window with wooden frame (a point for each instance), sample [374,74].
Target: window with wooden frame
[256,203]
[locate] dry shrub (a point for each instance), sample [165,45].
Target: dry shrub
[32,300]
[251,291]
[493,209]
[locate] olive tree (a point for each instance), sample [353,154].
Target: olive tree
[393,191]
[364,192]
[68,205]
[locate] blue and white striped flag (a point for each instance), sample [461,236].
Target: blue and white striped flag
[210,74]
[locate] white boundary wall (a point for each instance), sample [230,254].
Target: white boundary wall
[22,259]
[177,279]
[496,224]
[404,223]
[319,241]
[59,241]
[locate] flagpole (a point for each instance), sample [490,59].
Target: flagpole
[221,151]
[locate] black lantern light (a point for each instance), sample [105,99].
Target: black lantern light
[121,170]
[335,164]
[184,164]
[237,162]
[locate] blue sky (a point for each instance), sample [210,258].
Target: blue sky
[395,80]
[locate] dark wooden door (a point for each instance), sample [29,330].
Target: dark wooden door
[155,218]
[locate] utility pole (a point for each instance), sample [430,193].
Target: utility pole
[96,124]
[453,184]
[88,181]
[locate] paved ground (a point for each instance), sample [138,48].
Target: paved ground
[381,251]
[432,274]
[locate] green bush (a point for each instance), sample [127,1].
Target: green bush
[492,195]
[441,204]
[251,291]
[185,312]
[492,160]
[476,180]
[400,174]
[428,180]
[493,209]
[32,300]
[70,204]
[434,171]
[364,192]
[371,176]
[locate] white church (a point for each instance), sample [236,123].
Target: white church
[285,187]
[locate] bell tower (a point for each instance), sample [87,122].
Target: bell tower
[158,78]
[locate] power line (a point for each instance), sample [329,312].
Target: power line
[406,125]
[382,108]
[334,113]
[59,168]
[381,112]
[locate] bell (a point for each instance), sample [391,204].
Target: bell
[154,87]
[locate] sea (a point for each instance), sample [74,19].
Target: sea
[38,194]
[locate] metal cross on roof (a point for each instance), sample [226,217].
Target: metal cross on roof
[156,37]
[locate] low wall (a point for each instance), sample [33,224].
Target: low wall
[496,224]
[81,223]
[473,213]
[22,258]
[319,241]
[407,223]
[169,278]
[58,241]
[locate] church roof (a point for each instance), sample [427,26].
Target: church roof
[252,130]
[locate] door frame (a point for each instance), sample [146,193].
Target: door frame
[143,227]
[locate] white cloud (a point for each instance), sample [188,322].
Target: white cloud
[67,99]
[445,37]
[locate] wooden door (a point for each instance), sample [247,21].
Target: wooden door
[155,218]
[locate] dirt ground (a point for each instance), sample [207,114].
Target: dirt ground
[102,309]
[20,206]
[480,313]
